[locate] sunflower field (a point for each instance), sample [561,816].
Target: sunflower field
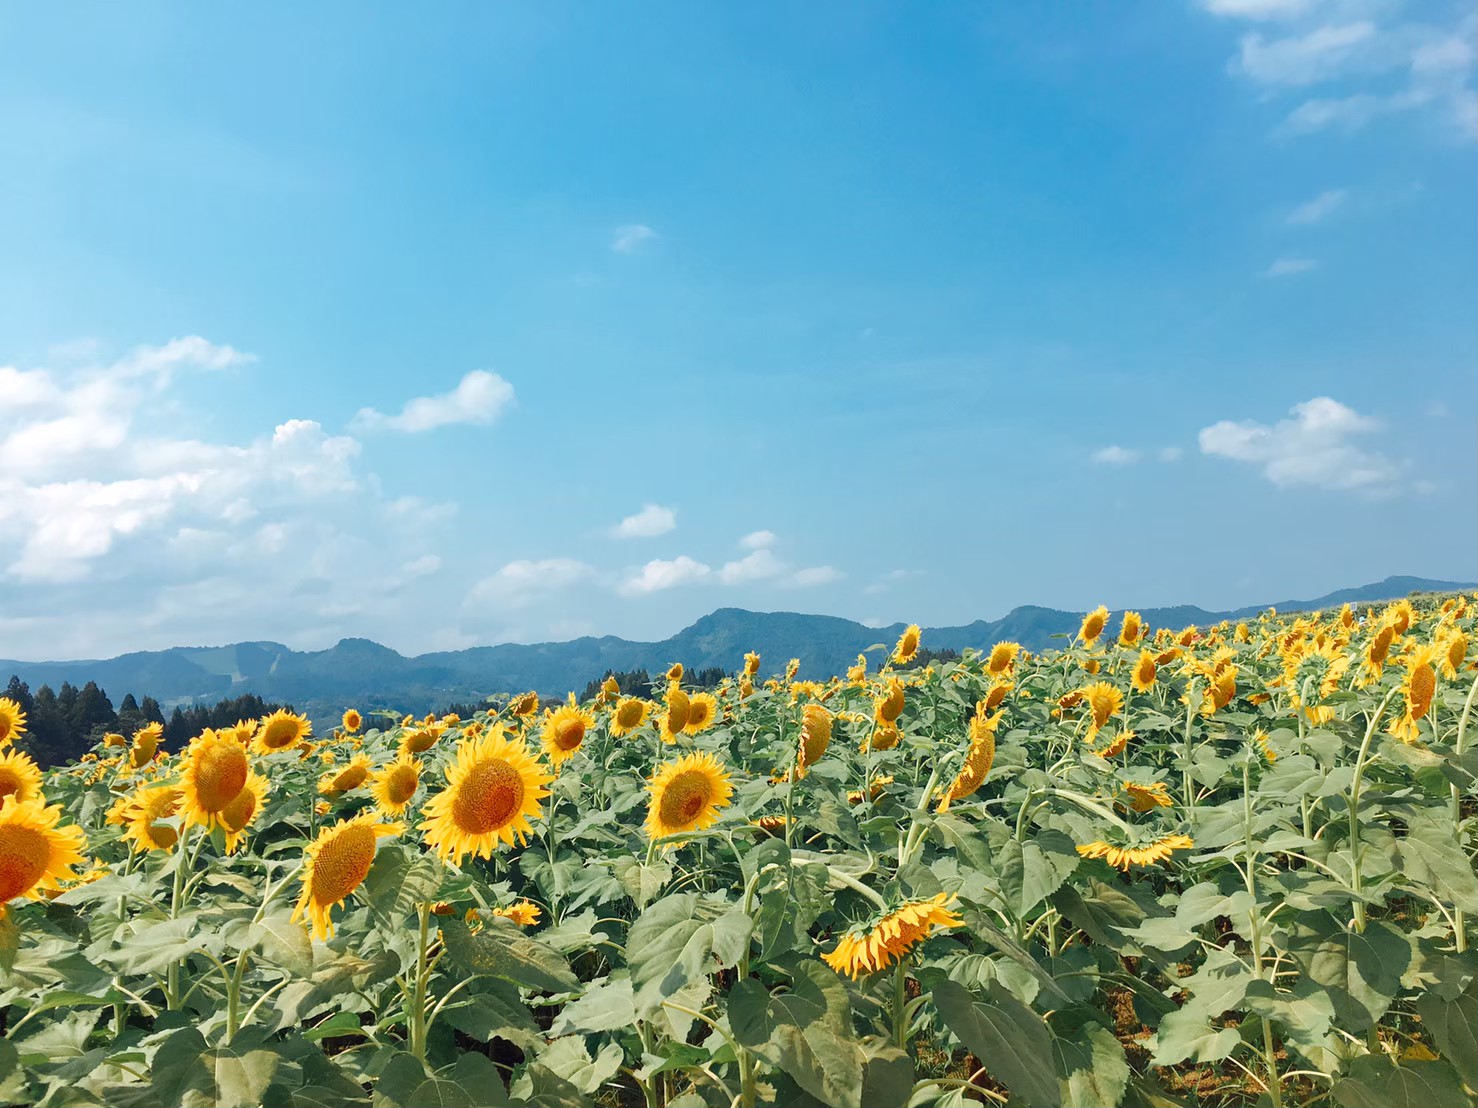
[1218,866]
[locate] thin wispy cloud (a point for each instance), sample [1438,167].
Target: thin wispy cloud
[1115,456]
[631,237]
[1289,267]
[1318,209]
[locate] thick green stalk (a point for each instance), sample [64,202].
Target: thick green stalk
[1459,923]
[1355,846]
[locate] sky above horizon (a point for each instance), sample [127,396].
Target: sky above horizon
[487,323]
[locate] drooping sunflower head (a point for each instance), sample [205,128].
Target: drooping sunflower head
[335,864]
[630,714]
[1143,678]
[1145,797]
[493,789]
[1221,690]
[347,778]
[1002,658]
[675,718]
[37,853]
[861,952]
[1104,701]
[815,737]
[525,913]
[1264,745]
[418,740]
[1123,857]
[889,706]
[1093,625]
[885,736]
[1454,654]
[751,664]
[687,795]
[1132,629]
[1418,688]
[564,730]
[149,826]
[675,671]
[212,772]
[525,705]
[145,746]
[702,711]
[282,730]
[1399,615]
[792,667]
[908,645]
[237,817]
[979,757]
[12,721]
[352,721]
[20,777]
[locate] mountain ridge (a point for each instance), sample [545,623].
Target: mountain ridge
[367,673]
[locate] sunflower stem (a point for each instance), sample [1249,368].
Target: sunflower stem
[1360,763]
[417,1013]
[1459,923]
[1187,790]
[900,1005]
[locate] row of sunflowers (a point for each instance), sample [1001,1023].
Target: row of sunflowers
[1220,865]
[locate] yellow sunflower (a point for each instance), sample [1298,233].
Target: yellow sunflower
[420,740]
[213,772]
[687,795]
[908,645]
[1221,691]
[347,778]
[336,863]
[564,730]
[494,785]
[1454,654]
[815,737]
[1145,670]
[978,758]
[1143,798]
[20,777]
[151,807]
[282,730]
[12,721]
[702,711]
[145,746]
[1002,658]
[393,785]
[885,736]
[1131,630]
[1104,701]
[1261,740]
[352,721]
[675,672]
[1418,688]
[751,664]
[876,788]
[525,913]
[889,706]
[1115,746]
[1093,625]
[630,714]
[36,853]
[1122,857]
[525,705]
[237,816]
[890,938]
[675,718]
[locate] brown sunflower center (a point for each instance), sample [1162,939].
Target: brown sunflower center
[220,773]
[11,784]
[420,741]
[278,734]
[342,863]
[629,714]
[684,799]
[1423,686]
[239,811]
[401,784]
[25,855]
[488,797]
[350,777]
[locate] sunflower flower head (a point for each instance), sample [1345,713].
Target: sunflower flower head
[563,732]
[493,789]
[687,795]
[335,864]
[12,721]
[863,951]
[37,852]
[213,771]
[907,646]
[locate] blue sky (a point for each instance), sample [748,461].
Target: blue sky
[521,322]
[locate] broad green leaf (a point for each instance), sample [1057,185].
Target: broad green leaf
[1375,1081]
[1092,1071]
[1008,1037]
[1361,970]
[1453,1025]
[1032,871]
[500,949]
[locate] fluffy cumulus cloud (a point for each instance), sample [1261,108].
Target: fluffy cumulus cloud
[479,398]
[1343,66]
[164,538]
[1322,445]
[651,521]
[523,582]
[1115,456]
[660,574]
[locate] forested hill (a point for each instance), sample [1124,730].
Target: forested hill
[368,675]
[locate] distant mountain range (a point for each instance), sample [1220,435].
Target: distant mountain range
[366,674]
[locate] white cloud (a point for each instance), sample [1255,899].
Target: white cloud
[757,540]
[652,520]
[1287,267]
[660,574]
[1319,55]
[1257,9]
[1115,456]
[629,237]
[815,575]
[423,566]
[1169,454]
[479,398]
[1317,448]
[759,565]
[521,582]
[1319,208]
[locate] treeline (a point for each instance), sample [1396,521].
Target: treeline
[638,682]
[64,724]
